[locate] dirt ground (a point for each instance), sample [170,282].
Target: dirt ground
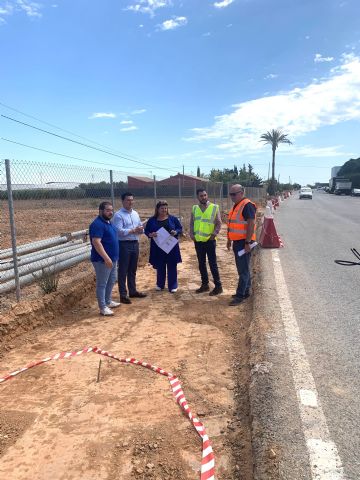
[57,422]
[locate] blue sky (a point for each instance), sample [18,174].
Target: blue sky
[183,82]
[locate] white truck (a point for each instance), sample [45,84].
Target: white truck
[340,186]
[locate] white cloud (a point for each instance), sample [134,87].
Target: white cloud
[129,129]
[126,122]
[223,4]
[31,9]
[271,76]
[138,112]
[207,34]
[320,59]
[333,99]
[175,22]
[102,115]
[6,9]
[148,6]
[317,152]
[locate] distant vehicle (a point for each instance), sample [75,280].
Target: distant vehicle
[355,192]
[305,192]
[343,187]
[340,186]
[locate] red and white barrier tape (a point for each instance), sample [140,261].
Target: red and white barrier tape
[207,471]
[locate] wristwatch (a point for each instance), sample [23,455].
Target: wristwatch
[247,243]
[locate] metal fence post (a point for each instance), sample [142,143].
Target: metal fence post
[228,197]
[155,194]
[13,228]
[112,189]
[221,195]
[179,196]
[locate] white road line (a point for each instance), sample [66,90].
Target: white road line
[325,462]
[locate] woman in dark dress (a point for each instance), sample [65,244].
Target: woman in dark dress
[159,259]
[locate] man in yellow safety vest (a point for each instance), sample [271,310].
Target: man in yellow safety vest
[205,224]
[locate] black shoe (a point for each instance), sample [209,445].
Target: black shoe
[138,295]
[236,301]
[203,288]
[216,291]
[247,295]
[125,300]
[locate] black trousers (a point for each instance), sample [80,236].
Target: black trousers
[127,266]
[208,249]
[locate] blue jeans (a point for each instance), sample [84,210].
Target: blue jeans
[105,281]
[243,268]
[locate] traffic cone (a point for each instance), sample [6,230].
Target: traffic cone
[268,236]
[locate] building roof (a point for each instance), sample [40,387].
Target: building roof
[142,179]
[192,177]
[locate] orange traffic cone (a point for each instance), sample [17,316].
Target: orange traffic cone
[268,236]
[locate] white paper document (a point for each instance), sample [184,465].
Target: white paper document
[241,252]
[164,240]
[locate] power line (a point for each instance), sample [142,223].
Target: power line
[71,133]
[85,145]
[62,154]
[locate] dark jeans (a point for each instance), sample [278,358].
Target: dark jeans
[127,266]
[243,268]
[171,275]
[207,248]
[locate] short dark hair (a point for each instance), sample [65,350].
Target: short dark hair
[103,205]
[199,190]
[126,194]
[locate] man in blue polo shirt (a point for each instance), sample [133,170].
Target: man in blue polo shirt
[104,257]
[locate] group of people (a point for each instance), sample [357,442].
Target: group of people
[115,245]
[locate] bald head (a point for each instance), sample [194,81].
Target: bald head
[237,193]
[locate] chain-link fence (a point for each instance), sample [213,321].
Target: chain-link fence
[46,210]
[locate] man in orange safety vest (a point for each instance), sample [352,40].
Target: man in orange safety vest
[241,234]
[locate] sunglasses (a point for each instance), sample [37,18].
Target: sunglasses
[235,193]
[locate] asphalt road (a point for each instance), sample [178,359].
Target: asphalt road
[326,301]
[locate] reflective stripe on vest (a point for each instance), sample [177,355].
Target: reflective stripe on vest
[204,222]
[237,225]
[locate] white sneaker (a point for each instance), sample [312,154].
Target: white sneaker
[174,290]
[107,312]
[158,289]
[113,304]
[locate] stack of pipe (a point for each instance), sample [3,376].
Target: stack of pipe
[55,253]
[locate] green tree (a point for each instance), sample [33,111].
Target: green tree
[274,138]
[351,170]
[198,172]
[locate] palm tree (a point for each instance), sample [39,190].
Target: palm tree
[274,138]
